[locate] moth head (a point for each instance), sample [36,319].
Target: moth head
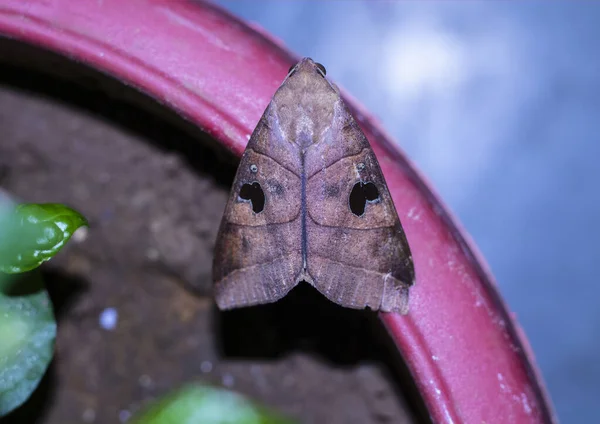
[308,64]
[309,75]
[306,102]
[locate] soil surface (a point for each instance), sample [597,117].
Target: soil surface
[154,195]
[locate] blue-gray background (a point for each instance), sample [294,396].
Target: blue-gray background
[498,104]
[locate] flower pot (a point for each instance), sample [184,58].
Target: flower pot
[467,359]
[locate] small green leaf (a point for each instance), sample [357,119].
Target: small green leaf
[207,405]
[33,233]
[27,334]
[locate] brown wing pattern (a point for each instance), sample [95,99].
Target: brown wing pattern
[325,215]
[258,254]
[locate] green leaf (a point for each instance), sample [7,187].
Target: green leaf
[196,403]
[27,334]
[33,233]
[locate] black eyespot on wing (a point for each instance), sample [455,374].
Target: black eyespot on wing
[361,194]
[255,195]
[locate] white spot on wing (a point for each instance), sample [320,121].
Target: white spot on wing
[108,319]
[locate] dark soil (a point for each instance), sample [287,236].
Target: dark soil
[154,195]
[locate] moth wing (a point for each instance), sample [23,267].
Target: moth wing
[358,252]
[257,252]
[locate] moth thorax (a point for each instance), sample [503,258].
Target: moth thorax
[304,137]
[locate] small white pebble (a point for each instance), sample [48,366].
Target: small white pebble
[206,366]
[124,415]
[228,380]
[108,318]
[80,235]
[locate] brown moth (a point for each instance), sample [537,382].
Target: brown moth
[309,203]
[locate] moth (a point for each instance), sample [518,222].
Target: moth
[309,203]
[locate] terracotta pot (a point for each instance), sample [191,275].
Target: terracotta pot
[468,356]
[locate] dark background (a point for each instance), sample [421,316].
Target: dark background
[497,103]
